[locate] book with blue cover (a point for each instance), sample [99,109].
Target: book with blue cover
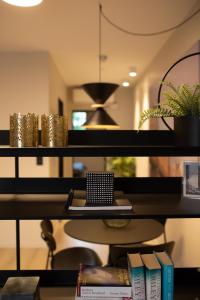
[137,276]
[153,276]
[167,275]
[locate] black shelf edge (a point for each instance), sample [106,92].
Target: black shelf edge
[145,206]
[48,278]
[158,197]
[185,279]
[100,151]
[110,137]
[121,137]
[105,143]
[128,185]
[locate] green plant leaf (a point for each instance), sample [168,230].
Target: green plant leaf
[180,101]
[156,112]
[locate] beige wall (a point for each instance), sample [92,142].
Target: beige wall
[183,231]
[122,108]
[24,88]
[29,83]
[181,40]
[58,90]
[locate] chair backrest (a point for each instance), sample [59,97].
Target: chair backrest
[162,221]
[50,241]
[47,236]
[46,226]
[118,254]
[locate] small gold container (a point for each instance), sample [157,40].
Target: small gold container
[54,130]
[31,130]
[23,130]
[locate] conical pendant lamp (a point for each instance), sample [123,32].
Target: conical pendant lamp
[100,119]
[100,92]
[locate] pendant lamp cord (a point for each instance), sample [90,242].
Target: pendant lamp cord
[100,13]
[116,26]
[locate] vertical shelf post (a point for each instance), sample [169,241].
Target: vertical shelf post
[18,244]
[17,221]
[60,166]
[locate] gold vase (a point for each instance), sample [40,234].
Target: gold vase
[23,130]
[31,130]
[54,130]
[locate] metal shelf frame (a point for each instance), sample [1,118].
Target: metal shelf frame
[152,197]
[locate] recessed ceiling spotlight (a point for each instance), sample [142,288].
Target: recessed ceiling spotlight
[125,83]
[132,72]
[23,3]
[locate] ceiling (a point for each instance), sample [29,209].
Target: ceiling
[68,30]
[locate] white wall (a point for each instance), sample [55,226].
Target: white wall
[185,232]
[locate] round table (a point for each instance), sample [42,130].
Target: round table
[95,231]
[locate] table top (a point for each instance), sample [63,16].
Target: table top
[95,231]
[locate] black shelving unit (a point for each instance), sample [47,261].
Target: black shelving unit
[105,143]
[152,197]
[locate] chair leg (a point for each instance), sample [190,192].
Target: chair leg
[47,260]
[109,260]
[165,236]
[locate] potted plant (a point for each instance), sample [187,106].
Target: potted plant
[121,166]
[183,104]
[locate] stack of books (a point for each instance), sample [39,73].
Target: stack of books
[152,276]
[98,283]
[77,202]
[148,277]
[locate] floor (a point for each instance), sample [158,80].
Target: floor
[33,258]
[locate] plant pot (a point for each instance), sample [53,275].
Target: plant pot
[187,131]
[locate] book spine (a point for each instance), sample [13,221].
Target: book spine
[105,291]
[153,284]
[138,283]
[167,282]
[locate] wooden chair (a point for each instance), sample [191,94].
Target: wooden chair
[118,253]
[69,258]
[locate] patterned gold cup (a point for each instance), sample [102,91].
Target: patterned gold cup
[31,130]
[54,130]
[23,130]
